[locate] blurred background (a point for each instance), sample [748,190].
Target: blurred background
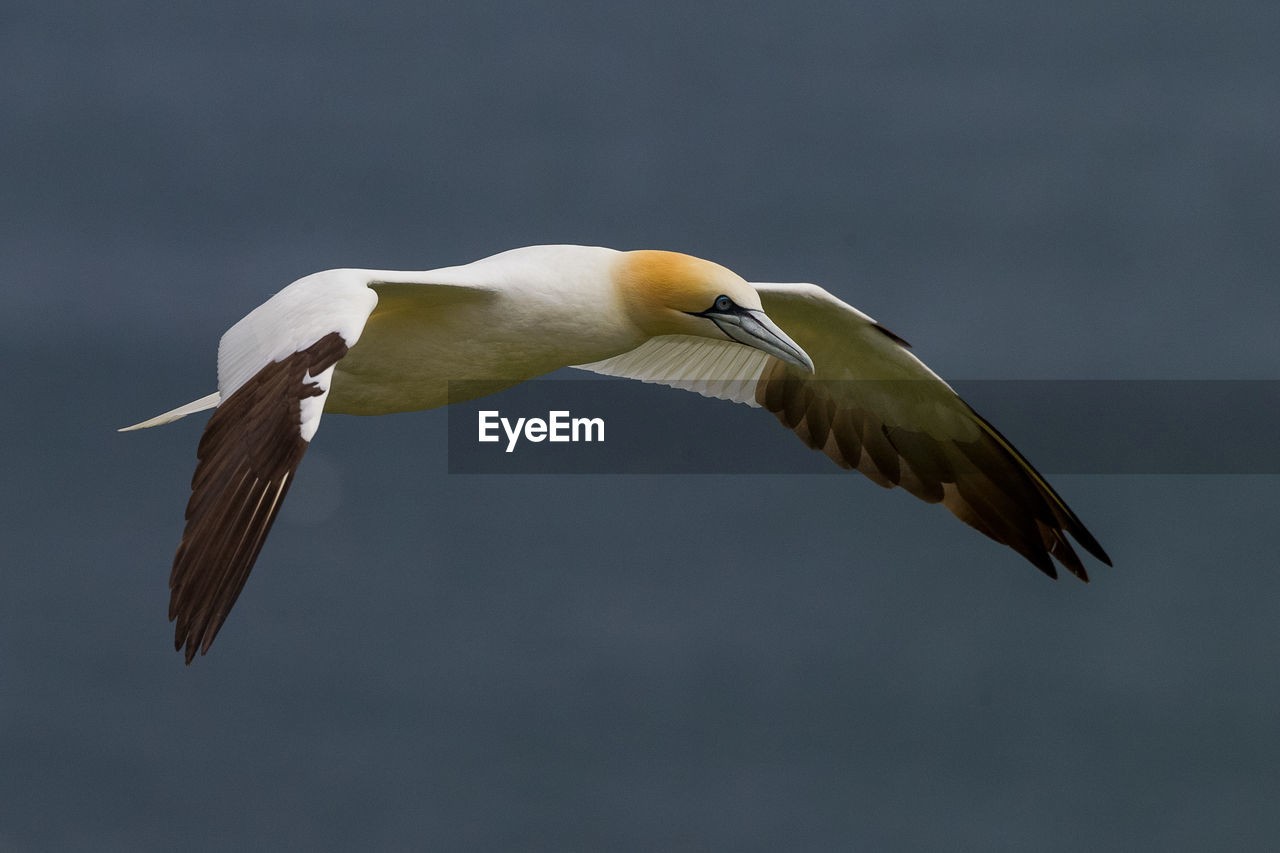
[425,660]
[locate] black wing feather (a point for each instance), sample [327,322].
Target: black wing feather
[247,456]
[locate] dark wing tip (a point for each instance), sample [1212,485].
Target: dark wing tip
[247,455]
[1047,567]
[984,482]
[1086,540]
[192,648]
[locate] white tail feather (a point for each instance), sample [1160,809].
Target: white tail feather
[181,412]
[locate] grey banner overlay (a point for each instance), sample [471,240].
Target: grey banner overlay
[1061,426]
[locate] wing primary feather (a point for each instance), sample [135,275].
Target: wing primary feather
[983,480]
[250,448]
[1061,512]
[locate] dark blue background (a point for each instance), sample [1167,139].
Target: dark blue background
[434,661]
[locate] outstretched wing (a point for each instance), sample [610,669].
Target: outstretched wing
[274,370]
[872,405]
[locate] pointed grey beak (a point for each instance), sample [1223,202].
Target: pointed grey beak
[755,329]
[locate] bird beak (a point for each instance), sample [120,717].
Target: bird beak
[755,329]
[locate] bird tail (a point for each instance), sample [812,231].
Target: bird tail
[181,412]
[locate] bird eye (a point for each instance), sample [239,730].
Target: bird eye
[723,303]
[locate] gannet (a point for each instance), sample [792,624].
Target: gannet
[371,342]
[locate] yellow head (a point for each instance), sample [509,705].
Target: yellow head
[667,293]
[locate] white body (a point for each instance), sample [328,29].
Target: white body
[516,316]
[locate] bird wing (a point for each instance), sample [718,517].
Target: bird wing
[872,405]
[724,369]
[274,371]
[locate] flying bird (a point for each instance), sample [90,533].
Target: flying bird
[372,342]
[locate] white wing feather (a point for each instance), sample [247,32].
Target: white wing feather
[724,369]
[292,320]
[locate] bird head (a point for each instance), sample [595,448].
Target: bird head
[668,293]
